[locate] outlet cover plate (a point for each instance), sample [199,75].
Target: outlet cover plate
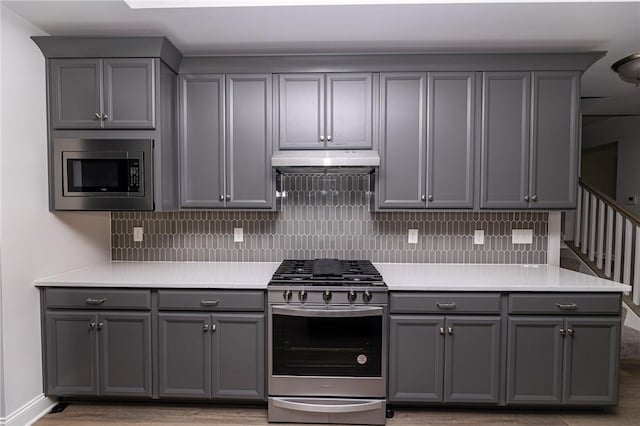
[412,238]
[478,236]
[238,235]
[138,234]
[522,236]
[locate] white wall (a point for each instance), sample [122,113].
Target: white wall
[33,242]
[626,131]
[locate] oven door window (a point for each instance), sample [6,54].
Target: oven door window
[316,346]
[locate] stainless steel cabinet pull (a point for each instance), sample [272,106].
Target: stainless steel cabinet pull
[221,198]
[205,327]
[446,305]
[91,301]
[228,197]
[97,116]
[92,325]
[100,325]
[213,328]
[449,330]
[442,331]
[204,302]
[430,198]
[567,306]
[423,198]
[105,116]
[571,331]
[534,198]
[526,198]
[563,331]
[321,138]
[329,138]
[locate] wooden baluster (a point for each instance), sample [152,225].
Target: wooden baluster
[600,251]
[578,219]
[636,269]
[627,252]
[585,220]
[592,228]
[609,257]
[618,250]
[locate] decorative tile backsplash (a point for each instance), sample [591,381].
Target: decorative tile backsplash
[328,216]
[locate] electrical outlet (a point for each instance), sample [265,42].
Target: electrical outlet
[138,234]
[238,235]
[631,200]
[522,236]
[478,236]
[412,238]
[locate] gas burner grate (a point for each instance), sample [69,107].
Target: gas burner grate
[350,272]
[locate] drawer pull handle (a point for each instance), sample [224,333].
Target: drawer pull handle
[567,306]
[91,301]
[209,302]
[448,305]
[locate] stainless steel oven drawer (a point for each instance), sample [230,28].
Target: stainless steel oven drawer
[565,303]
[79,298]
[327,410]
[444,303]
[211,300]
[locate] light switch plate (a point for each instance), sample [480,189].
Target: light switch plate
[478,236]
[521,236]
[238,235]
[412,238]
[138,234]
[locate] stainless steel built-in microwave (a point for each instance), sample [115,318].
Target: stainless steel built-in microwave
[102,174]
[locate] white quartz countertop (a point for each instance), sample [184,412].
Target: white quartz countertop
[398,276]
[457,277]
[231,275]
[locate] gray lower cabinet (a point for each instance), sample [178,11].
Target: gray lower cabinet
[427,140]
[325,111]
[529,139]
[436,359]
[218,356]
[102,93]
[106,353]
[563,360]
[226,141]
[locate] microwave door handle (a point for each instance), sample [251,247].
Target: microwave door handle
[368,311]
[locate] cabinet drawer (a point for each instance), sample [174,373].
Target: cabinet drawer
[564,303]
[94,298]
[463,303]
[211,300]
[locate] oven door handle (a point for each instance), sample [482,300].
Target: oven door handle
[352,312]
[327,408]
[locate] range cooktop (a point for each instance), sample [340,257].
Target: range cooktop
[324,272]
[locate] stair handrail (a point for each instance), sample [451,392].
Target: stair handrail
[633,217]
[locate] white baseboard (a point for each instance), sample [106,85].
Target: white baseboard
[30,412]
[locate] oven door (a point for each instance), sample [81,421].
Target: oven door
[327,351]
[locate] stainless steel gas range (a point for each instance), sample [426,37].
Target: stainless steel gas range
[327,340]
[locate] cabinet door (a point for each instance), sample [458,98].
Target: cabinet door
[129,93]
[202,141]
[184,360]
[472,359]
[74,90]
[534,360]
[302,111]
[349,111]
[401,176]
[416,356]
[249,181]
[450,140]
[124,340]
[554,139]
[238,356]
[504,169]
[591,361]
[71,353]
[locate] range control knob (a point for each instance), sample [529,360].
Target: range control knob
[366,296]
[302,295]
[287,295]
[351,296]
[326,296]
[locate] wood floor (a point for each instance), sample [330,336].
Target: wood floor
[627,413]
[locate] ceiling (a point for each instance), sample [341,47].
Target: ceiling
[499,27]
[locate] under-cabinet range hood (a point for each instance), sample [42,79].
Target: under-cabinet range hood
[326,162]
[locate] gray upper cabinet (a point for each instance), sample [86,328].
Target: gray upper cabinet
[450,140]
[506,99]
[102,93]
[529,140]
[226,141]
[202,141]
[332,111]
[249,177]
[401,177]
[554,139]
